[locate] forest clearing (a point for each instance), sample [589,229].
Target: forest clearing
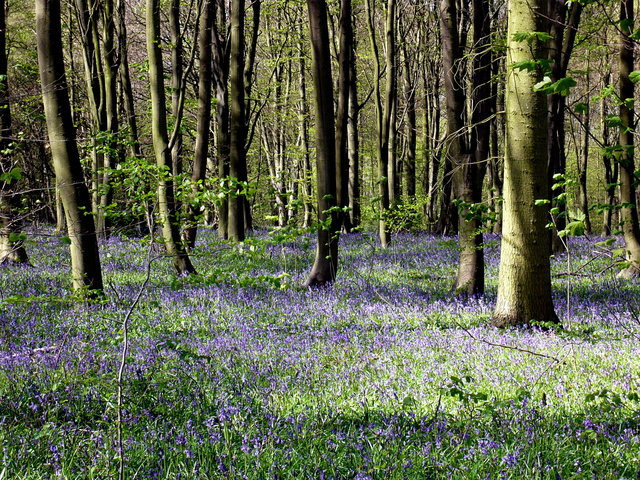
[240,373]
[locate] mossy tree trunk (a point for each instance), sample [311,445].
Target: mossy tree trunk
[85,258]
[524,286]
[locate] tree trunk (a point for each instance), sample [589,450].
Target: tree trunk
[524,285]
[166,199]
[470,176]
[85,258]
[629,210]
[342,114]
[409,169]
[125,82]
[353,146]
[326,261]
[307,189]
[176,87]
[563,32]
[237,154]
[383,111]
[203,121]
[11,246]
[221,77]
[111,66]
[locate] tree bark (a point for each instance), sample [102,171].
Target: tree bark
[383,111]
[629,209]
[166,199]
[203,121]
[85,258]
[237,154]
[221,78]
[524,285]
[342,115]
[326,261]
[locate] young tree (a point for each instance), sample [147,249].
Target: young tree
[166,199]
[85,258]
[326,261]
[524,286]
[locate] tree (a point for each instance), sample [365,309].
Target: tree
[237,153]
[524,286]
[166,197]
[85,258]
[11,246]
[342,114]
[203,119]
[326,260]
[629,210]
[384,110]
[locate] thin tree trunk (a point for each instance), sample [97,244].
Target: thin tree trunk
[353,146]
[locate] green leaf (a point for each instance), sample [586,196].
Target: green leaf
[65,240]
[542,201]
[581,108]
[575,228]
[635,76]
[526,65]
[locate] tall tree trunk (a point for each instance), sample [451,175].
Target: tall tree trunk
[610,168]
[111,66]
[383,111]
[524,285]
[125,82]
[203,121]
[409,88]
[325,264]
[563,31]
[353,146]
[176,86]
[221,77]
[85,258]
[342,114]
[307,189]
[11,246]
[166,197]
[237,154]
[629,210]
[470,175]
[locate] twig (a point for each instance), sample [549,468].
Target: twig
[123,358]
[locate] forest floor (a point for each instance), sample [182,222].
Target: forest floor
[239,373]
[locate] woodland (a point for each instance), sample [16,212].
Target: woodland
[324,239]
